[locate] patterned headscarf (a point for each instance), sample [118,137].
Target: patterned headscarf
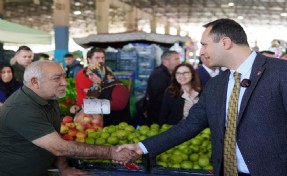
[106,75]
[104,72]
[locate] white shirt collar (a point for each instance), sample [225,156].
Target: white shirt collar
[211,72]
[245,68]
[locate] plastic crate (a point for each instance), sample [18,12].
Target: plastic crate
[111,56]
[171,171]
[127,54]
[112,64]
[127,65]
[88,165]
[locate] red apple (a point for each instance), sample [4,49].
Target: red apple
[64,129]
[72,132]
[97,126]
[79,126]
[87,126]
[68,137]
[70,125]
[67,119]
[87,119]
[96,121]
[81,135]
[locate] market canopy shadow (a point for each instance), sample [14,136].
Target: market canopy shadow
[19,34]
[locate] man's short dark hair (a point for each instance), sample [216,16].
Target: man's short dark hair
[24,47]
[227,28]
[44,55]
[167,54]
[68,55]
[95,49]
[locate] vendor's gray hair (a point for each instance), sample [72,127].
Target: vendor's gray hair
[35,70]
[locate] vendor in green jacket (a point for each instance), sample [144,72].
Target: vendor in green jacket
[29,126]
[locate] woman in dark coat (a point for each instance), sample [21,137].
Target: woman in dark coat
[181,95]
[8,83]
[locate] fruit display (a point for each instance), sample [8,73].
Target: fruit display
[192,154]
[78,131]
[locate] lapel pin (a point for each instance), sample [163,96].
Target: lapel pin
[259,73]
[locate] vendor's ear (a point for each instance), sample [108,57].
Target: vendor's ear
[35,82]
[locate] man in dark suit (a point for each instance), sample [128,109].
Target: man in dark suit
[158,81]
[205,71]
[261,128]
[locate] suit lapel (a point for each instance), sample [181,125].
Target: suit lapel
[256,73]
[221,104]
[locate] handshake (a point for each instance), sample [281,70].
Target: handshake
[126,153]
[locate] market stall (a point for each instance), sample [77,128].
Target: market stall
[118,40]
[134,54]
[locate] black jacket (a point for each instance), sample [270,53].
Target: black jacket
[171,109]
[158,81]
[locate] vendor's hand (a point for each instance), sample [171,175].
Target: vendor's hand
[123,155]
[74,109]
[128,154]
[71,171]
[133,147]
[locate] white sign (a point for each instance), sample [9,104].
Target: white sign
[97,106]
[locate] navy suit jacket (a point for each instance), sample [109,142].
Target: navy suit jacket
[203,75]
[262,121]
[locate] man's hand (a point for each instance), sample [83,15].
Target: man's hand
[134,147]
[74,109]
[123,155]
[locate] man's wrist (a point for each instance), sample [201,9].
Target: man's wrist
[143,148]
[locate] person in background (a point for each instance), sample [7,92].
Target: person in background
[83,83]
[44,56]
[106,86]
[158,81]
[72,66]
[284,56]
[206,71]
[268,53]
[30,123]
[181,95]
[248,123]
[20,61]
[8,83]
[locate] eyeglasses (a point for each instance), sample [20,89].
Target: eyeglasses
[57,78]
[182,74]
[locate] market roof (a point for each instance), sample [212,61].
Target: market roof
[120,39]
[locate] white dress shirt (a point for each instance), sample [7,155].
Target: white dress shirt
[245,70]
[212,73]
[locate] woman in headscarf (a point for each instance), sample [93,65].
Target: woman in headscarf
[106,86]
[8,83]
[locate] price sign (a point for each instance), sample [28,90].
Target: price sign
[97,106]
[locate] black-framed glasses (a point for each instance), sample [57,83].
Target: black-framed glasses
[182,73]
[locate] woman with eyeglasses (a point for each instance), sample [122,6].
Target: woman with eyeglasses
[181,95]
[8,83]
